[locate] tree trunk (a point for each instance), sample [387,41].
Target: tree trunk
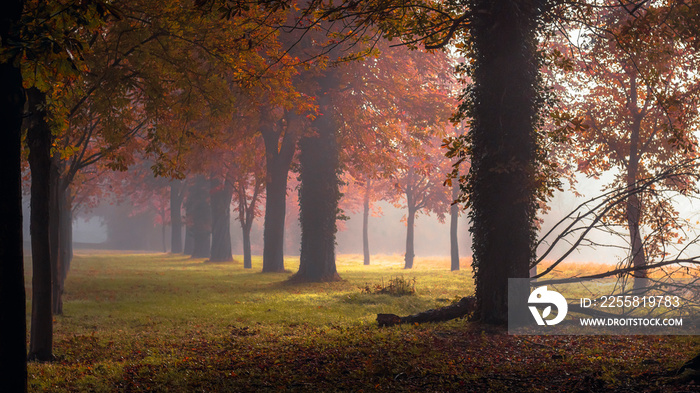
[410,224]
[247,255]
[67,231]
[65,246]
[176,197]
[201,218]
[365,222]
[55,227]
[188,249]
[275,211]
[162,230]
[633,208]
[13,324]
[246,215]
[221,194]
[39,142]
[454,226]
[319,194]
[504,112]
[278,158]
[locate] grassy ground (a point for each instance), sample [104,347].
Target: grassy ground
[157,322]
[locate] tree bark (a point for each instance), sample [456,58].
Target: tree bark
[64,252]
[319,193]
[39,142]
[504,108]
[278,158]
[221,195]
[13,324]
[201,218]
[176,197]
[365,222]
[634,203]
[410,225]
[454,227]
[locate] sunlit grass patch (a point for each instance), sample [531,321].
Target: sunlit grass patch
[159,322]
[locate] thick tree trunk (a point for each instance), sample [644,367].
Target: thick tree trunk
[39,142]
[365,222]
[201,218]
[275,211]
[319,194]
[504,111]
[454,227]
[278,158]
[410,225]
[176,197]
[221,195]
[13,324]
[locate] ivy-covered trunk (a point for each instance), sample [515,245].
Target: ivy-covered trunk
[221,195]
[503,105]
[319,193]
[39,142]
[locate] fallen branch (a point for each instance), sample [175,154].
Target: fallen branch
[460,309]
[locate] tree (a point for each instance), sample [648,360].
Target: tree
[280,136]
[40,141]
[638,118]
[419,182]
[13,328]
[198,213]
[319,190]
[248,184]
[220,194]
[502,104]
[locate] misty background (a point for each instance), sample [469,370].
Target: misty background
[114,226]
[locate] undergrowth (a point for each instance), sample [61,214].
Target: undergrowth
[396,286]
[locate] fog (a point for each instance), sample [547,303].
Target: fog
[114,226]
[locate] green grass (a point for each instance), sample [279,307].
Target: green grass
[158,322]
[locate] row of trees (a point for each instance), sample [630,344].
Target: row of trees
[196,92]
[208,99]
